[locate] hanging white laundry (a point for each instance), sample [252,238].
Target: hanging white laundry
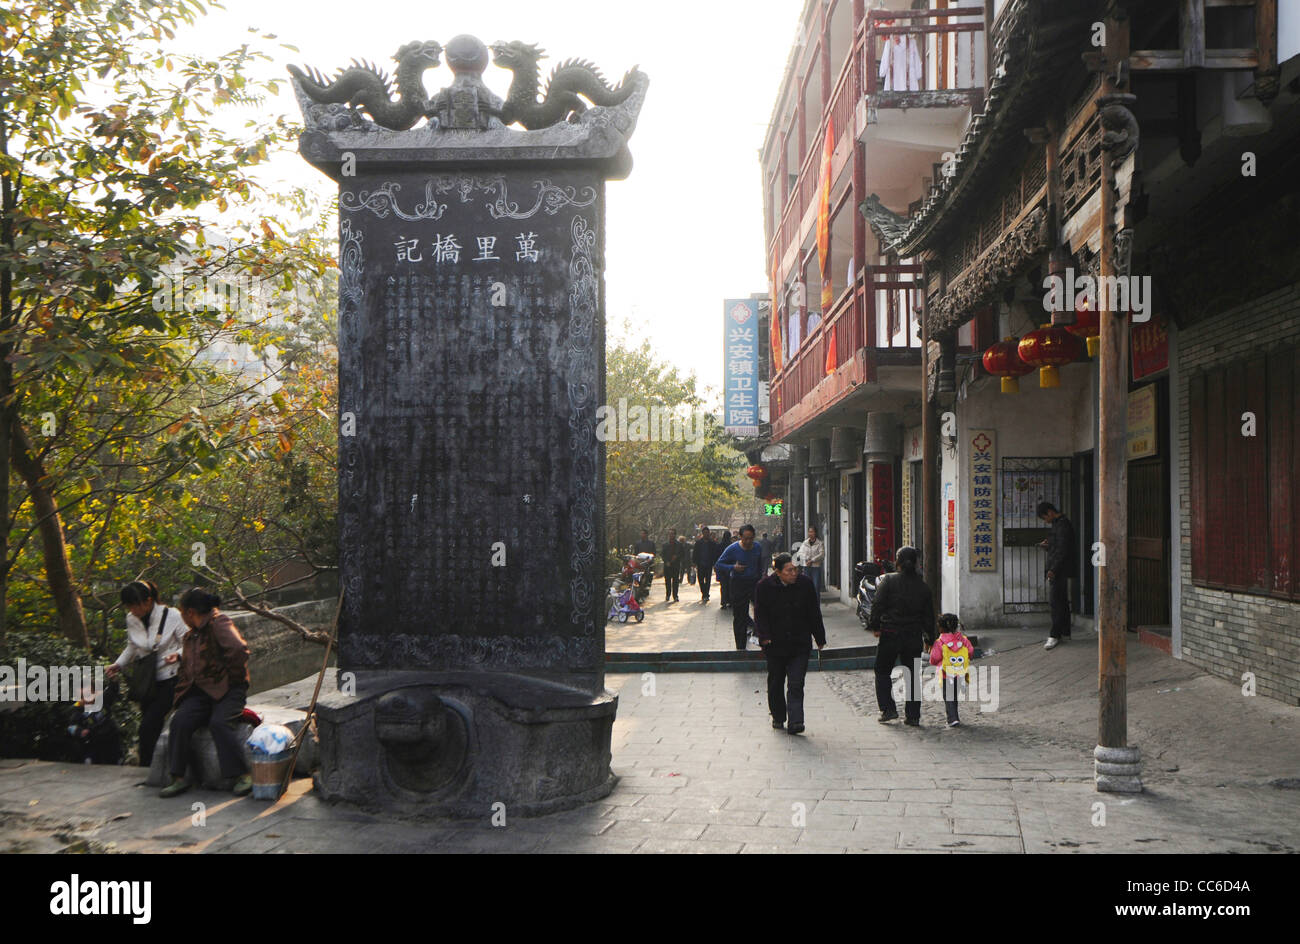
[796,323]
[900,65]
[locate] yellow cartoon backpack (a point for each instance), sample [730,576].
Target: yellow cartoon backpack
[952,654]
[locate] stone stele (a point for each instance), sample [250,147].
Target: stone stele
[471,483]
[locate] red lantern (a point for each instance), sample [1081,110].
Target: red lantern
[1047,348]
[1003,360]
[757,473]
[1087,325]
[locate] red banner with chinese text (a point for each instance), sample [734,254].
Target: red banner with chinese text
[1149,347]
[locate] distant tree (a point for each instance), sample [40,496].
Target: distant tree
[658,484]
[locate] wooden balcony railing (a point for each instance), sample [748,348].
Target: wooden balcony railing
[949,52]
[896,291]
[886,297]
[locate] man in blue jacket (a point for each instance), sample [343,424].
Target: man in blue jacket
[743,563]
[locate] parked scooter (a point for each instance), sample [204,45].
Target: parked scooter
[868,574]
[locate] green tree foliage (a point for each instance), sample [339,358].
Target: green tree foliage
[114,168]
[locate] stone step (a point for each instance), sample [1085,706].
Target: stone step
[751,660]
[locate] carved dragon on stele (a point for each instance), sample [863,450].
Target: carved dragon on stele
[363,87]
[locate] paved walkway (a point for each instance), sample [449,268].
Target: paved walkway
[690,626]
[702,771]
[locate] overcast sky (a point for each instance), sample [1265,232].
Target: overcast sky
[685,230]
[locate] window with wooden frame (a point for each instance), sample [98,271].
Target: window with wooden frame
[1245,488]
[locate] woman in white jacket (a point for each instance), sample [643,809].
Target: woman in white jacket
[151,627]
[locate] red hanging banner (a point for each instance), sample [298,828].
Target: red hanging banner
[882,511]
[824,219]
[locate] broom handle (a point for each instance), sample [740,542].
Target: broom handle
[311,709]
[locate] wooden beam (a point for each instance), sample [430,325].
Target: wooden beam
[1267,71]
[1191,21]
[1173,60]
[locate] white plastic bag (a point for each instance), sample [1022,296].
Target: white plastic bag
[270,738]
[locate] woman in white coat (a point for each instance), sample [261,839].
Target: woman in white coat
[157,629]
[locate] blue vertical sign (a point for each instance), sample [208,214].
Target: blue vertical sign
[740,357]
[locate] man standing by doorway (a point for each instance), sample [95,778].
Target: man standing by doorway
[1060,565]
[787,617]
[674,556]
[705,554]
[742,563]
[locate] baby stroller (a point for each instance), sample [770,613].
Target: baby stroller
[623,604]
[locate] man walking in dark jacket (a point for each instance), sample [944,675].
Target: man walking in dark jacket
[1060,566]
[788,616]
[743,565]
[902,617]
[674,556]
[705,555]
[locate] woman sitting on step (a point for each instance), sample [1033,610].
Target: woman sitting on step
[211,688]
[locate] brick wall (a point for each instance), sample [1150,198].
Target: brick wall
[1229,634]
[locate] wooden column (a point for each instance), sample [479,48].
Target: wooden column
[1113,755]
[931,562]
[1267,73]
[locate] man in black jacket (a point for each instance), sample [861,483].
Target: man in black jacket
[788,616]
[705,554]
[902,617]
[1060,566]
[674,556]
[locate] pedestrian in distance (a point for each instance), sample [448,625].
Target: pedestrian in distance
[674,556]
[742,563]
[902,618]
[211,689]
[1060,565]
[951,653]
[705,553]
[813,554]
[644,546]
[153,631]
[724,577]
[788,617]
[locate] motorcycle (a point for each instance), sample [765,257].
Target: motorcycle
[868,574]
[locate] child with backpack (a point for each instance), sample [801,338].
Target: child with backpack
[951,653]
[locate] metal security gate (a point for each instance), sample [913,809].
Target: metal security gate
[1024,482]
